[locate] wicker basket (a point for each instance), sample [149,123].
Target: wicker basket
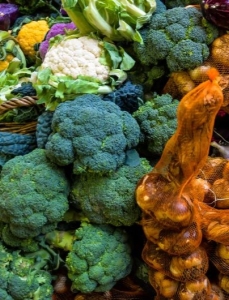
[14,127]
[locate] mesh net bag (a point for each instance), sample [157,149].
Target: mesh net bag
[183,268]
[168,288]
[188,186]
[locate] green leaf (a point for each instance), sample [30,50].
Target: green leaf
[112,54]
[127,61]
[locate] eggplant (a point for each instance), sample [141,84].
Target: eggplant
[217,12]
[9,12]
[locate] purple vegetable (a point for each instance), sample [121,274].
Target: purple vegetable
[8,14]
[217,12]
[58,28]
[63,12]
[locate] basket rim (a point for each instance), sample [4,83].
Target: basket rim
[18,102]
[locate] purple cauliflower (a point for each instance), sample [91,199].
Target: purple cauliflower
[58,28]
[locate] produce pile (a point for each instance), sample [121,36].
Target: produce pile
[113,150]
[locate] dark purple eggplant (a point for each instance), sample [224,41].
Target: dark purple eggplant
[217,12]
[8,14]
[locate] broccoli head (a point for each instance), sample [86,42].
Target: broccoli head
[109,198]
[33,194]
[98,257]
[180,36]
[91,134]
[157,121]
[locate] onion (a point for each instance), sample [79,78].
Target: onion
[8,14]
[217,12]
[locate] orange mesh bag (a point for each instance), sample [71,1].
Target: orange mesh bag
[181,242]
[215,223]
[182,268]
[213,169]
[171,289]
[220,189]
[220,258]
[167,195]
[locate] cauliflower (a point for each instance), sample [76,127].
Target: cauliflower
[86,52]
[76,65]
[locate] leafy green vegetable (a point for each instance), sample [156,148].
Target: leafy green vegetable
[118,20]
[11,78]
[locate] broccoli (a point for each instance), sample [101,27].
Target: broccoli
[157,121]
[109,198]
[179,36]
[91,134]
[25,277]
[98,255]
[33,194]
[128,96]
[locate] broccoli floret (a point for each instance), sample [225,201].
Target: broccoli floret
[99,256]
[91,134]
[4,295]
[110,198]
[23,277]
[25,245]
[33,194]
[187,53]
[180,36]
[128,96]
[157,121]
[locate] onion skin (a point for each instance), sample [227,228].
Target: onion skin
[216,12]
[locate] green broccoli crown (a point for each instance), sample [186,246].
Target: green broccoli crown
[110,198]
[33,194]
[91,134]
[185,54]
[165,35]
[157,121]
[101,255]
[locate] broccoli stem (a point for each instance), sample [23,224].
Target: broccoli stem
[61,239]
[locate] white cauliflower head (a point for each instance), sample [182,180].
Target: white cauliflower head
[77,56]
